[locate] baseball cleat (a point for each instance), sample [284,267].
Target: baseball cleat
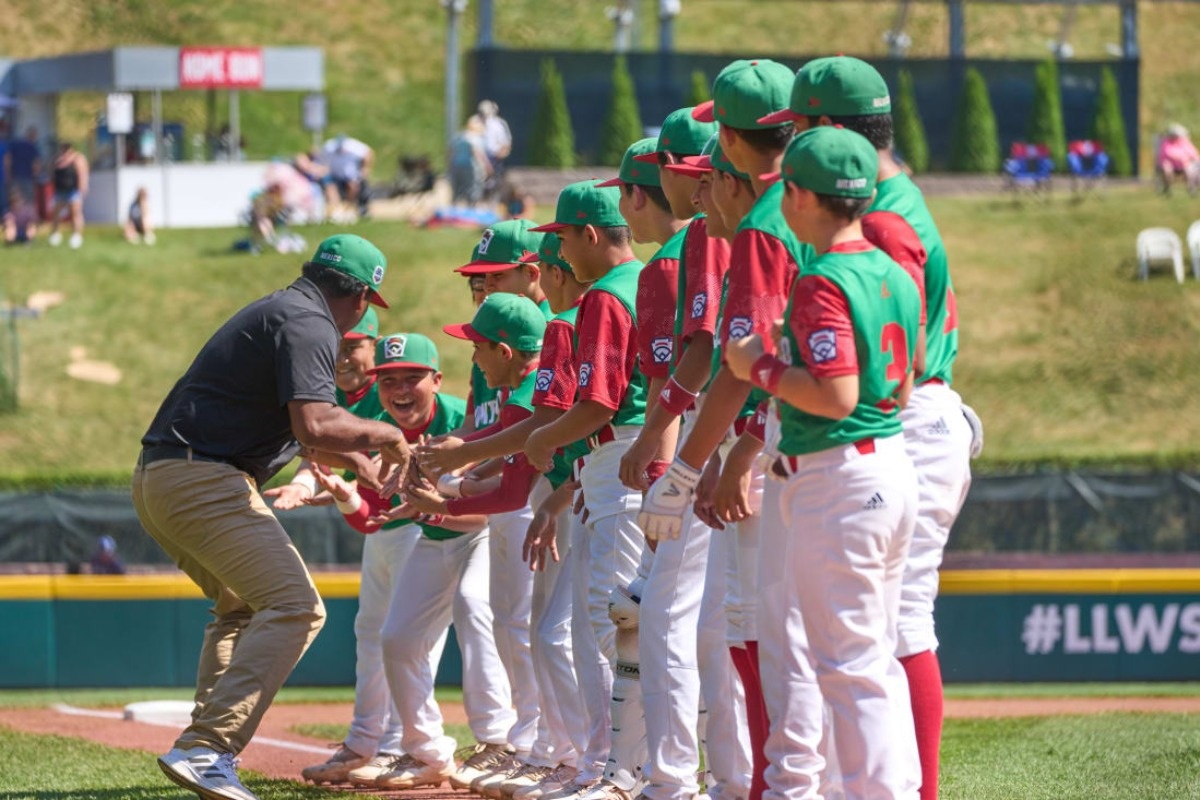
[607,790]
[488,785]
[406,772]
[554,782]
[479,760]
[367,774]
[527,775]
[336,769]
[574,788]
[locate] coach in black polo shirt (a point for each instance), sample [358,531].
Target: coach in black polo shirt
[260,391]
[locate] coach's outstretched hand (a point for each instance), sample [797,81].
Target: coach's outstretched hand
[667,501]
[399,455]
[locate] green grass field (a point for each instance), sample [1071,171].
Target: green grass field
[1117,756]
[1067,357]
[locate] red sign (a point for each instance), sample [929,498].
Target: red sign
[220,68]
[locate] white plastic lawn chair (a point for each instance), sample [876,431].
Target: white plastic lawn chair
[1193,245]
[1159,244]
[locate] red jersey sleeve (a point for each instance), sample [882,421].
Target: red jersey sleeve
[556,384]
[372,504]
[658,289]
[705,262]
[516,481]
[607,350]
[892,234]
[761,271]
[823,329]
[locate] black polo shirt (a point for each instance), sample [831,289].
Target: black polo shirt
[231,404]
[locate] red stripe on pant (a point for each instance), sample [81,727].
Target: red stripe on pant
[745,661]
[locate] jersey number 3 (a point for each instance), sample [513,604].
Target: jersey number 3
[894,342]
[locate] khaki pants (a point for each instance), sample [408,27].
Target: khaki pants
[211,520]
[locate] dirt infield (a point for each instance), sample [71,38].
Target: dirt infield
[277,751]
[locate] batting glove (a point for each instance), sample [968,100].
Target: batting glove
[976,430]
[668,500]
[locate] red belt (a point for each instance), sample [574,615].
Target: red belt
[603,436]
[786,466]
[933,381]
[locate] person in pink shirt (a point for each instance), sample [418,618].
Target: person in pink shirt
[1177,159]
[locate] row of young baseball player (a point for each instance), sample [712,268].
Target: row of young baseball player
[696,505]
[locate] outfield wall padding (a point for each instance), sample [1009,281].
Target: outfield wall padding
[59,631]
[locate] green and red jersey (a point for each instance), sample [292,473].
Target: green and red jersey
[900,195]
[702,267]
[606,345]
[853,311]
[556,385]
[657,297]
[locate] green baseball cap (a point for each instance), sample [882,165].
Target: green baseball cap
[550,252]
[829,160]
[585,203]
[356,257]
[405,351]
[746,90]
[634,167]
[367,327]
[713,158]
[681,134]
[510,319]
[501,247]
[838,86]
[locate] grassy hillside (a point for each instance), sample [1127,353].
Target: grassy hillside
[385,59]
[1066,356]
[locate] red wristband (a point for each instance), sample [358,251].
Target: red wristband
[676,399]
[767,371]
[757,426]
[431,519]
[655,469]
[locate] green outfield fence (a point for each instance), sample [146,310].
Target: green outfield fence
[995,626]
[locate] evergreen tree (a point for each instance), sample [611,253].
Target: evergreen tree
[976,147]
[1108,126]
[700,91]
[623,124]
[1046,122]
[910,131]
[553,142]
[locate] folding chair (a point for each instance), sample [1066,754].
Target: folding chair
[1159,244]
[1193,245]
[1088,163]
[1028,166]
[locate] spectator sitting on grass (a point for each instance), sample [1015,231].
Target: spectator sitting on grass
[137,223]
[20,222]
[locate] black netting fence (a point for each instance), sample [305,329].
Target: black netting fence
[1053,513]
[510,77]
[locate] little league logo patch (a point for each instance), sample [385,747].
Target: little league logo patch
[740,327]
[662,347]
[545,377]
[377,275]
[699,303]
[823,344]
[585,374]
[486,241]
[394,346]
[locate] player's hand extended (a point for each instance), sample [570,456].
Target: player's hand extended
[402,511]
[424,499]
[634,463]
[539,451]
[337,486]
[288,496]
[705,494]
[740,355]
[399,455]
[441,456]
[665,505]
[540,539]
[731,499]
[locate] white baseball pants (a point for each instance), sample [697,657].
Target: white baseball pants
[938,440]
[376,725]
[849,517]
[445,581]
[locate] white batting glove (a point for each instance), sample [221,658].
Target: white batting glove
[668,500]
[976,430]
